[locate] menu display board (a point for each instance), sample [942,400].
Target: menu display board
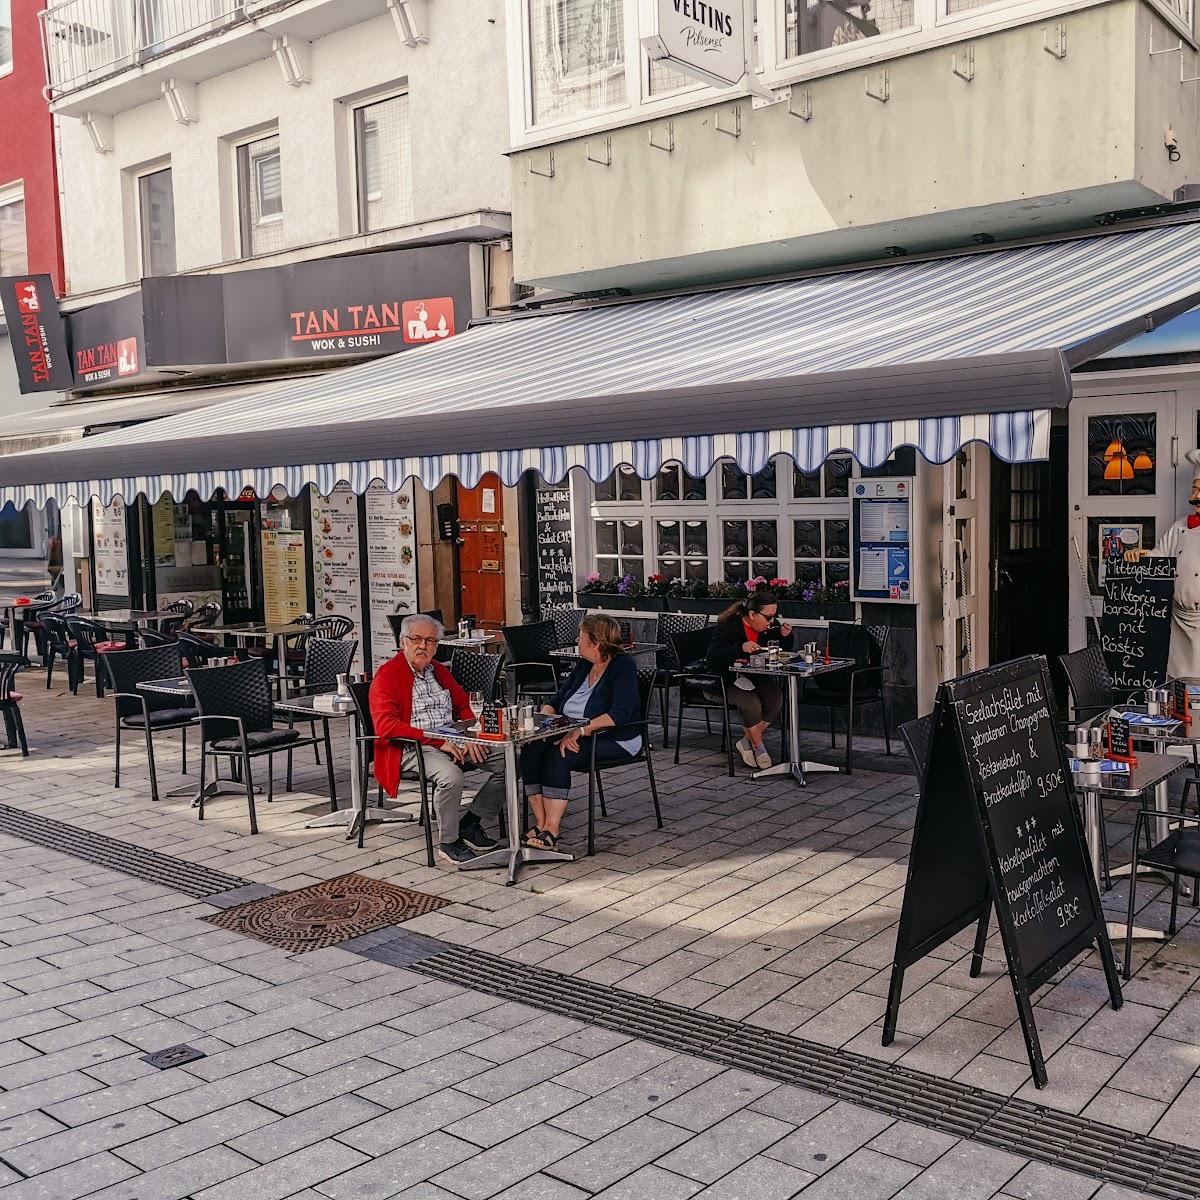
[110,552]
[391,564]
[337,581]
[284,591]
[164,533]
[1135,628]
[881,539]
[997,827]
[555,561]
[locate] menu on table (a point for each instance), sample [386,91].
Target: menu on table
[391,564]
[110,553]
[337,571]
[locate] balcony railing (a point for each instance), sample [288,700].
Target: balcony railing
[89,40]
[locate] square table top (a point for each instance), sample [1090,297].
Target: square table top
[795,667]
[1147,773]
[169,687]
[322,704]
[544,727]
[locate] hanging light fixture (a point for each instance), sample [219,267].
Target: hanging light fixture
[1115,448]
[1119,467]
[1143,462]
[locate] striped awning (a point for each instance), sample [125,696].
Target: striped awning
[932,354]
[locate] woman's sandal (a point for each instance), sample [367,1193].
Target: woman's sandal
[531,837]
[546,840]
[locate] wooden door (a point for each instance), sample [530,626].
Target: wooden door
[481,552]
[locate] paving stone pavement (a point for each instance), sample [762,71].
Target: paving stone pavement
[328,1075]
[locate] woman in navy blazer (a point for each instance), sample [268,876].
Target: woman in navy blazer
[603,690]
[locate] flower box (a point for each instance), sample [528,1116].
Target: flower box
[616,602]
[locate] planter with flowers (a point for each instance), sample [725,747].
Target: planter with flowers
[798,601]
[802,601]
[622,593]
[700,596]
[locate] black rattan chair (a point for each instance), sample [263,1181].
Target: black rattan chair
[531,671]
[324,661]
[477,672]
[852,689]
[567,622]
[148,712]
[10,700]
[668,664]
[693,680]
[1090,684]
[236,722]
[1177,855]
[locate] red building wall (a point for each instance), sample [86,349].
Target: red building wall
[27,142]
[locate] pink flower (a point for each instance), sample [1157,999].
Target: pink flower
[593,577]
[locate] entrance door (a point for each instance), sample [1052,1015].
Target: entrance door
[481,552]
[235,526]
[1030,555]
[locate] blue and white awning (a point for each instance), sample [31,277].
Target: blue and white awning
[932,354]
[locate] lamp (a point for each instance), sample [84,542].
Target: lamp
[1114,449]
[1119,467]
[1143,462]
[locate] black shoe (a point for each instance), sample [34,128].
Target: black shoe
[455,852]
[473,833]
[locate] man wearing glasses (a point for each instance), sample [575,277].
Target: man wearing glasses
[412,697]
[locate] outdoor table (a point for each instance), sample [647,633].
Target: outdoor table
[10,605]
[793,669]
[246,630]
[130,618]
[515,853]
[470,643]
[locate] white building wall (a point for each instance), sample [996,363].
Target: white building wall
[458,121]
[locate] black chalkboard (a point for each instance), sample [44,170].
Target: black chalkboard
[555,562]
[1135,630]
[997,826]
[1120,742]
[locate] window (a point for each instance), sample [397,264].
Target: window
[622,484]
[576,57]
[822,549]
[6,47]
[620,548]
[749,548]
[260,196]
[1122,455]
[383,153]
[811,25]
[13,258]
[156,214]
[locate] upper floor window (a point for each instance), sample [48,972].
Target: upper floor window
[383,158]
[811,25]
[13,257]
[6,47]
[260,196]
[576,57]
[156,219]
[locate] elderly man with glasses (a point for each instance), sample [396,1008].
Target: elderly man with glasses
[411,698]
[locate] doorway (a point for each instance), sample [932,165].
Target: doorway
[1031,557]
[235,527]
[481,552]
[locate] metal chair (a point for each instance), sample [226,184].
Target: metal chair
[567,622]
[324,661]
[149,712]
[477,672]
[209,613]
[1090,684]
[236,722]
[171,625]
[693,680]
[1177,855]
[361,691]
[853,688]
[530,669]
[10,700]
[666,661]
[198,652]
[89,641]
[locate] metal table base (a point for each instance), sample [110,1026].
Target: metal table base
[799,769]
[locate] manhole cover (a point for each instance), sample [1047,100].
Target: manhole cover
[326,913]
[173,1056]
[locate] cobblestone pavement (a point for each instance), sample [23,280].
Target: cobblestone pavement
[763,904]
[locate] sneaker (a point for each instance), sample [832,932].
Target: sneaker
[744,748]
[475,836]
[762,757]
[454,852]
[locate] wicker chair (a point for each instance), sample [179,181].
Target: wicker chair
[477,672]
[149,712]
[361,692]
[324,661]
[236,722]
[10,700]
[1090,684]
[693,680]
[531,671]
[668,665]
[567,622]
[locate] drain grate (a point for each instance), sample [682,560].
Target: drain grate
[1099,1151]
[327,913]
[125,857]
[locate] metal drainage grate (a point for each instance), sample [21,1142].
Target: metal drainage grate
[123,857]
[173,1056]
[1099,1151]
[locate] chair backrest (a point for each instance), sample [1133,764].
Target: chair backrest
[54,628]
[567,622]
[690,647]
[360,690]
[647,678]
[531,643]
[10,664]
[918,738]
[71,602]
[183,605]
[207,614]
[334,627]
[153,637]
[1088,680]
[326,659]
[670,623]
[127,668]
[477,672]
[197,650]
[847,640]
[86,634]
[238,690]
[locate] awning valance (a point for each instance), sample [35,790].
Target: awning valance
[932,354]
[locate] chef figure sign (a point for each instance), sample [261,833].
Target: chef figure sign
[1182,542]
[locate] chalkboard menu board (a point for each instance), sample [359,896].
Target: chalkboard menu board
[555,563]
[1135,630]
[997,827]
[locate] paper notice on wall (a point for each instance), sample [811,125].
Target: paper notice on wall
[884,521]
[872,570]
[391,564]
[337,581]
[110,554]
[284,594]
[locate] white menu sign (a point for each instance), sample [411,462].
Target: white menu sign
[336,567]
[284,593]
[391,564]
[111,555]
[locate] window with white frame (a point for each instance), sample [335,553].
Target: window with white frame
[156,220]
[260,196]
[14,259]
[6,45]
[383,163]
[781,522]
[811,25]
[576,57]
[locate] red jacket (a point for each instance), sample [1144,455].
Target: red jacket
[391,713]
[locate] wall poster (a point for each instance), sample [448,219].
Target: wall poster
[337,583]
[110,553]
[284,595]
[391,564]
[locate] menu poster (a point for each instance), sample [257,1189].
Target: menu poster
[164,533]
[997,826]
[391,564]
[1135,627]
[285,596]
[110,553]
[337,583]
[555,562]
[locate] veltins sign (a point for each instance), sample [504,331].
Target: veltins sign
[38,333]
[702,38]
